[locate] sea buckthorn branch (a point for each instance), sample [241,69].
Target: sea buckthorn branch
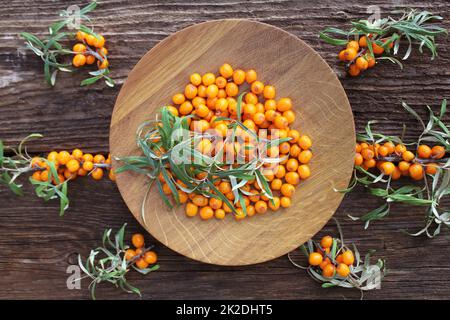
[427,165]
[381,39]
[113,260]
[50,175]
[334,264]
[90,49]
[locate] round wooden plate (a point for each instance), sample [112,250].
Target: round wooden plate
[322,109]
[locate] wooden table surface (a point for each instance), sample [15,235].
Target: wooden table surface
[36,245]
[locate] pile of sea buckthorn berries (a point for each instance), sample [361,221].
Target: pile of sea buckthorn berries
[71,165]
[320,258]
[409,164]
[141,257]
[358,55]
[210,96]
[89,50]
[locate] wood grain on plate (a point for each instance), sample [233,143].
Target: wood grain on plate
[322,110]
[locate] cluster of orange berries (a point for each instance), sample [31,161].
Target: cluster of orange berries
[358,55]
[210,96]
[320,258]
[409,164]
[71,165]
[141,257]
[89,50]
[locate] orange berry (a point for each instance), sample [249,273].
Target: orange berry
[315,258]
[431,168]
[201,91]
[150,257]
[36,176]
[88,157]
[251,76]
[353,70]
[191,209]
[88,165]
[129,254]
[90,39]
[221,82]
[353,44]
[79,48]
[437,152]
[350,54]
[370,60]
[343,270]
[326,242]
[260,206]
[73,165]
[377,49]
[226,71]
[215,203]
[284,104]
[387,168]
[63,157]
[424,151]
[99,42]
[111,174]
[304,142]
[408,156]
[292,164]
[281,122]
[367,154]
[416,171]
[276,184]
[257,87]
[358,159]
[79,60]
[80,35]
[304,171]
[224,187]
[212,90]
[138,240]
[294,177]
[239,76]
[285,202]
[231,89]
[287,190]
[342,55]
[178,98]
[97,173]
[348,258]
[195,79]
[190,91]
[363,41]
[208,79]
[219,213]
[103,64]
[77,154]
[383,151]
[305,156]
[362,63]
[206,213]
[141,264]
[186,108]
[99,158]
[403,165]
[274,203]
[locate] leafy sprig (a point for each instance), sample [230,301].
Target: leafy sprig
[363,275]
[412,27]
[19,162]
[429,194]
[107,263]
[52,51]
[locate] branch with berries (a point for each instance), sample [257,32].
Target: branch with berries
[49,175]
[368,42]
[380,160]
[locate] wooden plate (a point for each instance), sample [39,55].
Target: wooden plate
[322,109]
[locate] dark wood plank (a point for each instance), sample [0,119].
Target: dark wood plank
[37,245]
